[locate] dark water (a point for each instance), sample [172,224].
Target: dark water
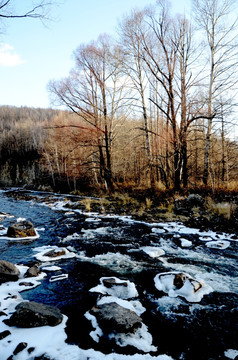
[111,246]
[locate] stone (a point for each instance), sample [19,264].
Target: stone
[110,282]
[8,272]
[32,314]
[19,348]
[194,200]
[112,317]
[179,280]
[33,271]
[55,253]
[183,205]
[25,283]
[4,334]
[180,206]
[21,230]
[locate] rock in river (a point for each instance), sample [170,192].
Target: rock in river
[8,272]
[32,314]
[33,271]
[21,230]
[112,317]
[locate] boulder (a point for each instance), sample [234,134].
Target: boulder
[55,253]
[8,272]
[183,205]
[110,282]
[20,347]
[32,314]
[112,317]
[33,271]
[194,200]
[180,206]
[4,334]
[180,278]
[21,230]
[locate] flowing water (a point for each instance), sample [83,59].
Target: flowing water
[182,324]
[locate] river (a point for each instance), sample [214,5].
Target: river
[178,323]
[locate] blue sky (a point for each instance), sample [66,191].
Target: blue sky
[31,54]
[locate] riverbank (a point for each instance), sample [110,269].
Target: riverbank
[218,211]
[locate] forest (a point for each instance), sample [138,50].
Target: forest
[153,108]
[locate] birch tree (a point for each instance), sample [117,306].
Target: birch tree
[215,19]
[132,36]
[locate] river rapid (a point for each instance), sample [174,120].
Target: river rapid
[179,322]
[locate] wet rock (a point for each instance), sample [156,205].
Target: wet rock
[8,272]
[4,334]
[21,230]
[112,317]
[179,280]
[32,314]
[55,253]
[33,271]
[110,282]
[19,348]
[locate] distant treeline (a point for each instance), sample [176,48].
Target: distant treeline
[45,147]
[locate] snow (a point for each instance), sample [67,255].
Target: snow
[231,354]
[218,244]
[97,332]
[51,268]
[59,277]
[186,243]
[141,339]
[120,291]
[190,290]
[153,251]
[20,219]
[158,230]
[205,238]
[93,220]
[42,250]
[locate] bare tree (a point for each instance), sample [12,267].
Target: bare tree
[215,18]
[93,90]
[36,10]
[132,36]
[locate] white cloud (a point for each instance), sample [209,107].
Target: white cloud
[8,57]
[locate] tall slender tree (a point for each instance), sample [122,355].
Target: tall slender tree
[215,19]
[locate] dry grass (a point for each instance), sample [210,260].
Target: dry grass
[225,209]
[148,203]
[87,203]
